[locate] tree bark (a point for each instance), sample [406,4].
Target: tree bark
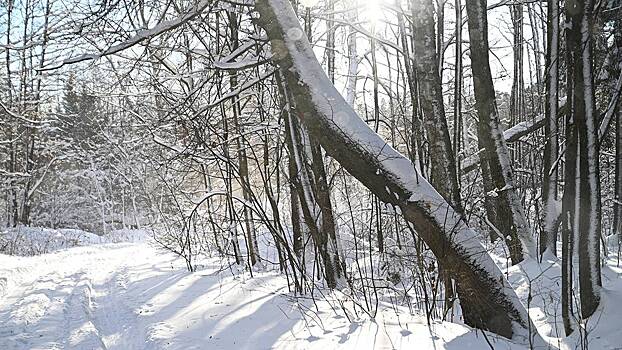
[443,166]
[568,219]
[548,236]
[579,19]
[251,236]
[617,211]
[510,216]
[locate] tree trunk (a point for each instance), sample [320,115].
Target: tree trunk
[617,211]
[458,92]
[251,236]
[583,111]
[313,196]
[510,216]
[416,137]
[548,236]
[568,218]
[443,166]
[353,62]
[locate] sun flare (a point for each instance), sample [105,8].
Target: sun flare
[373,11]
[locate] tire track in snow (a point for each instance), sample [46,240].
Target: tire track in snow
[72,299]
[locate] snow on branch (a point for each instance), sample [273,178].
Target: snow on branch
[146,34]
[512,134]
[18,116]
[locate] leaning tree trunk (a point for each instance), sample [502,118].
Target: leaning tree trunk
[548,237]
[579,19]
[488,301]
[509,213]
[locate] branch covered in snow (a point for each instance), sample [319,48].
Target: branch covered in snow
[146,34]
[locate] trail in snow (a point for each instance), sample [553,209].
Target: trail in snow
[132,296]
[54,301]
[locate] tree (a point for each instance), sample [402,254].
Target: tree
[509,216]
[548,237]
[581,95]
[443,166]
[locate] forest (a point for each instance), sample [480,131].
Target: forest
[453,165]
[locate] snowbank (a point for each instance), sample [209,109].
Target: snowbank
[25,241]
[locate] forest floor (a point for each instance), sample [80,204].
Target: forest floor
[134,296]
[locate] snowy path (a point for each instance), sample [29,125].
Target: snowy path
[70,299]
[131,296]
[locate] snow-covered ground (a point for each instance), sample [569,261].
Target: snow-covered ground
[134,296]
[24,240]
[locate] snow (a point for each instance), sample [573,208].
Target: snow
[134,296]
[34,240]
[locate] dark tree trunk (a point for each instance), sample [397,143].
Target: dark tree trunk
[510,217]
[617,211]
[548,236]
[251,236]
[568,218]
[579,19]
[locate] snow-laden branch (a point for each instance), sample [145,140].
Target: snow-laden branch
[512,134]
[249,62]
[41,178]
[146,34]
[18,116]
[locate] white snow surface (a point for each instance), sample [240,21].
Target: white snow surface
[24,240]
[134,296]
